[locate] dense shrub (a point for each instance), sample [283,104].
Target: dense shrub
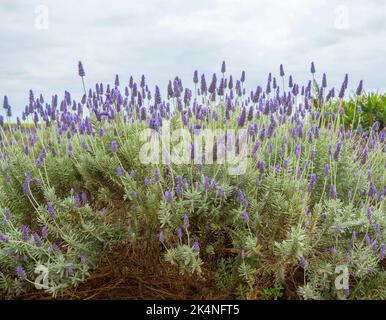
[312,196]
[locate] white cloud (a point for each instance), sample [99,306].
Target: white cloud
[163,38]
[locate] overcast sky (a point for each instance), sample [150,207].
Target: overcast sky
[42,41]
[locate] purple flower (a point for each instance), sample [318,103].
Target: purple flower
[179,233]
[156,175]
[324,80]
[186,222]
[382,253]
[297,151]
[196,246]
[246,216]
[56,248]
[372,192]
[337,151]
[367,240]
[114,146]
[206,182]
[5,103]
[76,200]
[354,235]
[25,233]
[168,197]
[303,262]
[84,197]
[50,209]
[38,241]
[312,182]
[223,67]
[27,176]
[69,269]
[326,170]
[333,193]
[82,259]
[360,88]
[119,171]
[242,79]
[21,273]
[8,214]
[312,67]
[147,182]
[81,69]
[161,236]
[44,232]
[282,71]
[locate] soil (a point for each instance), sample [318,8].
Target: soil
[134,275]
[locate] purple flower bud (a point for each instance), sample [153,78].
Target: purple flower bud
[223,67]
[119,171]
[179,233]
[367,240]
[25,233]
[114,146]
[50,209]
[168,197]
[333,193]
[382,252]
[8,214]
[186,221]
[44,232]
[303,262]
[81,69]
[206,182]
[360,88]
[337,151]
[156,175]
[297,151]
[246,216]
[354,235]
[161,236]
[84,197]
[196,246]
[21,273]
[326,170]
[282,71]
[76,200]
[312,67]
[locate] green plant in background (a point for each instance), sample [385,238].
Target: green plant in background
[365,110]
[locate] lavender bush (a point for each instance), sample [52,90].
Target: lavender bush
[312,196]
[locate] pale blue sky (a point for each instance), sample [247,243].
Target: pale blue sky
[165,38]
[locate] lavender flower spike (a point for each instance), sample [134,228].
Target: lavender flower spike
[81,69]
